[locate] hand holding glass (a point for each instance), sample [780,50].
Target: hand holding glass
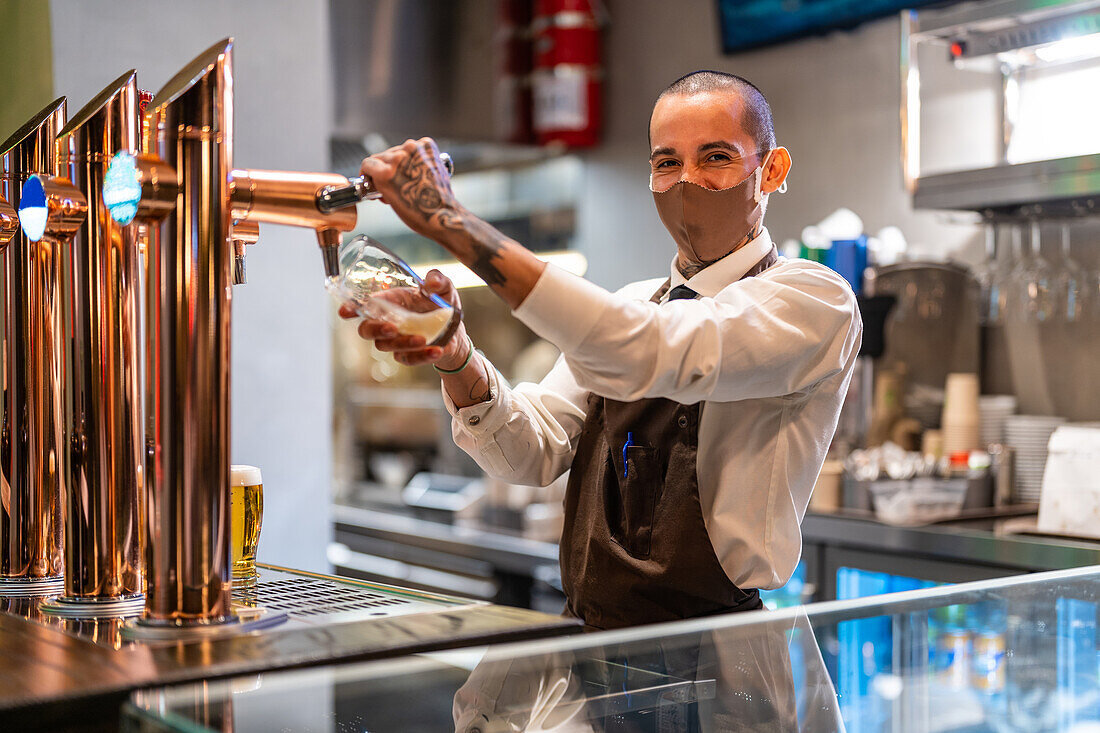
[381,286]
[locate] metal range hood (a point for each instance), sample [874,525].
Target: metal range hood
[400,73]
[418,69]
[1015,75]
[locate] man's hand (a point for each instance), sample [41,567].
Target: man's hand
[414,182]
[469,385]
[413,350]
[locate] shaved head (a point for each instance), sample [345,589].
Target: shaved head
[756,115]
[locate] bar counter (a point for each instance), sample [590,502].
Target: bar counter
[68,674]
[948,552]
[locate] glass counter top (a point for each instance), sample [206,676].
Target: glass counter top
[1008,654]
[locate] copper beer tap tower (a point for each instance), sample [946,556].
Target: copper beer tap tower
[30,437]
[103,494]
[144,503]
[200,213]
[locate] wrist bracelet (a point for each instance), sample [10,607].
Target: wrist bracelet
[466,363]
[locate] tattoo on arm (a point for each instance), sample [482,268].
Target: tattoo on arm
[479,391]
[415,188]
[488,246]
[414,184]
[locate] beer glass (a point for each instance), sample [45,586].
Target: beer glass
[383,287]
[246,501]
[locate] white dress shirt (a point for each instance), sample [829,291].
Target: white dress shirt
[770,356]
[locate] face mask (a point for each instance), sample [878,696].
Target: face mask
[706,224]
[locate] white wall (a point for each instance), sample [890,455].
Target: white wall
[835,101]
[282,394]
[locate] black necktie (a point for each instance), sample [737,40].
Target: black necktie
[681,292]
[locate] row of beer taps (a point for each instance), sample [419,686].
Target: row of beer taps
[122,232]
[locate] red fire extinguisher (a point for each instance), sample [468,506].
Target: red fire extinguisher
[566,79]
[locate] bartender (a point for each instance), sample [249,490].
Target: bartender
[693,415]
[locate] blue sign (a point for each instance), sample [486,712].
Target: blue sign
[32,209]
[121,189]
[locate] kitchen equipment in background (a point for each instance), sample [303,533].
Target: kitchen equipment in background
[382,286]
[1027,436]
[918,501]
[960,423]
[889,403]
[1007,73]
[442,497]
[31,561]
[994,411]
[933,329]
[534,512]
[1070,502]
[858,412]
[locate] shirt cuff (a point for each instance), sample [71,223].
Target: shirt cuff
[484,418]
[562,308]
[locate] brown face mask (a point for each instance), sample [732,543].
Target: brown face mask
[705,223]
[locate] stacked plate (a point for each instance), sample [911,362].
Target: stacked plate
[1028,436]
[995,409]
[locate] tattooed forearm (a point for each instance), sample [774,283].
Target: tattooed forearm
[417,189]
[487,247]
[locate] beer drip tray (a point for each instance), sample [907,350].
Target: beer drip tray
[322,600]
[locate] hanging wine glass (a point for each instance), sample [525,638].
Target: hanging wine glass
[983,272]
[1070,283]
[994,276]
[1034,282]
[382,286]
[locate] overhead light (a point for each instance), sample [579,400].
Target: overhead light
[1068,49]
[462,277]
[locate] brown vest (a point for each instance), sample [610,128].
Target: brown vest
[635,548]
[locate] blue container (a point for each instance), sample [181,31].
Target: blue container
[849,258]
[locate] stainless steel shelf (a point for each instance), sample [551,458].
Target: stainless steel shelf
[1001,187]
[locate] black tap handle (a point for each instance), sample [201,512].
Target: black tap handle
[359,189]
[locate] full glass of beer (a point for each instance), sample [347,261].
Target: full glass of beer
[246,501]
[384,287]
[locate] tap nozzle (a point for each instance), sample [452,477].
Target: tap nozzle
[329,239]
[242,233]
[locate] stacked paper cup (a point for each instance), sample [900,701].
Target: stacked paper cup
[961,423]
[995,410]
